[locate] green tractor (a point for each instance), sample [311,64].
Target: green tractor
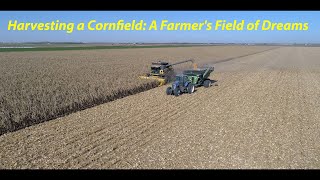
[186,82]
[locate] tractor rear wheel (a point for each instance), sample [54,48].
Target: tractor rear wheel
[176,91]
[207,83]
[190,88]
[169,91]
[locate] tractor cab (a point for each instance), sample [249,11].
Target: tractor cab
[182,79]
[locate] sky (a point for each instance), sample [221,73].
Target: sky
[312,35]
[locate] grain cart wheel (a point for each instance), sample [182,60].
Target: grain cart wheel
[190,88]
[207,83]
[169,91]
[176,91]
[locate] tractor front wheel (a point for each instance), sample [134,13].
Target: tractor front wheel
[176,91]
[190,88]
[207,83]
[169,91]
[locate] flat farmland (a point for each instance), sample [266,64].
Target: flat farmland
[264,113]
[40,86]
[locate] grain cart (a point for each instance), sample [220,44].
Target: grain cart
[186,82]
[163,71]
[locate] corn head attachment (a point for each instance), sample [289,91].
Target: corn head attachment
[161,81]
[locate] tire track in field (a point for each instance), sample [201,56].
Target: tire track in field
[242,56]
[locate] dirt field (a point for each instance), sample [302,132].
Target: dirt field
[264,113]
[39,86]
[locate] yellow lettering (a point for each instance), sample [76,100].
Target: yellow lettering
[163,24]
[218,24]
[305,26]
[153,25]
[40,26]
[209,26]
[89,25]
[195,26]
[13,25]
[266,25]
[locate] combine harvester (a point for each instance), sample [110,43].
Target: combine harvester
[163,71]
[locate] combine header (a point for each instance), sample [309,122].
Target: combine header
[163,71]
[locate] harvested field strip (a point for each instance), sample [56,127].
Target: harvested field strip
[193,102]
[124,149]
[125,152]
[246,93]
